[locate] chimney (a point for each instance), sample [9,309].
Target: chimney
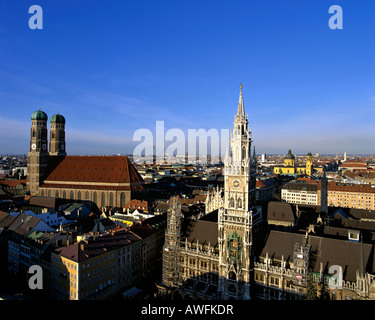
[82,246]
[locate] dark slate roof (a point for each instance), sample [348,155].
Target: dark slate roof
[203,231]
[280,211]
[327,251]
[212,216]
[301,186]
[45,202]
[27,225]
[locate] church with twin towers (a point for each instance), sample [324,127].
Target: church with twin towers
[212,257]
[107,181]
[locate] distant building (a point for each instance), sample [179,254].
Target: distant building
[265,189]
[290,167]
[350,196]
[300,192]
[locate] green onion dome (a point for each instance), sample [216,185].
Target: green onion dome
[289,155]
[57,118]
[39,115]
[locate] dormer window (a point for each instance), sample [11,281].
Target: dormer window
[353,235]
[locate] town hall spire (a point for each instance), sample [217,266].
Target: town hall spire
[241,110]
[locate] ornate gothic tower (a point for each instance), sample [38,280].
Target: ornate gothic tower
[171,249]
[238,216]
[57,136]
[38,157]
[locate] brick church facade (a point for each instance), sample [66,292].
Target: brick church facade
[105,180]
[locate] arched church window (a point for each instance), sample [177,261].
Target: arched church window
[103,199]
[57,194]
[231,203]
[71,195]
[64,194]
[232,276]
[95,197]
[243,153]
[42,193]
[87,195]
[79,195]
[111,199]
[49,193]
[239,203]
[33,133]
[122,199]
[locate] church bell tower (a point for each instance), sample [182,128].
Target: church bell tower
[57,136]
[238,216]
[38,157]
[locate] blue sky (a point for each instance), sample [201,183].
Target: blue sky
[112,67]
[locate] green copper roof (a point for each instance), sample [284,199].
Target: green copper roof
[289,155]
[57,118]
[39,115]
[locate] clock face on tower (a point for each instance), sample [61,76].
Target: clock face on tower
[33,146]
[44,147]
[236,184]
[62,147]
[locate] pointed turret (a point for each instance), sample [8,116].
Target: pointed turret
[241,109]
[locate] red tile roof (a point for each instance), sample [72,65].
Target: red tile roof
[101,169]
[12,183]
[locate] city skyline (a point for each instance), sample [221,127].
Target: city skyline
[111,70]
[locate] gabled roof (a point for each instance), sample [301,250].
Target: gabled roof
[200,230]
[341,212]
[102,169]
[280,211]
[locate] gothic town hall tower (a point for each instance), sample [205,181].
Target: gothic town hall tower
[237,216]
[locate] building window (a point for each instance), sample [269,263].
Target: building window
[122,199]
[111,199]
[103,199]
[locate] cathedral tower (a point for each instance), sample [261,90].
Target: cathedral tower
[237,217]
[57,136]
[38,157]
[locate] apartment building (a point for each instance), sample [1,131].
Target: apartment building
[300,192]
[350,196]
[96,268]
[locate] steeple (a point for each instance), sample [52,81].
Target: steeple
[241,110]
